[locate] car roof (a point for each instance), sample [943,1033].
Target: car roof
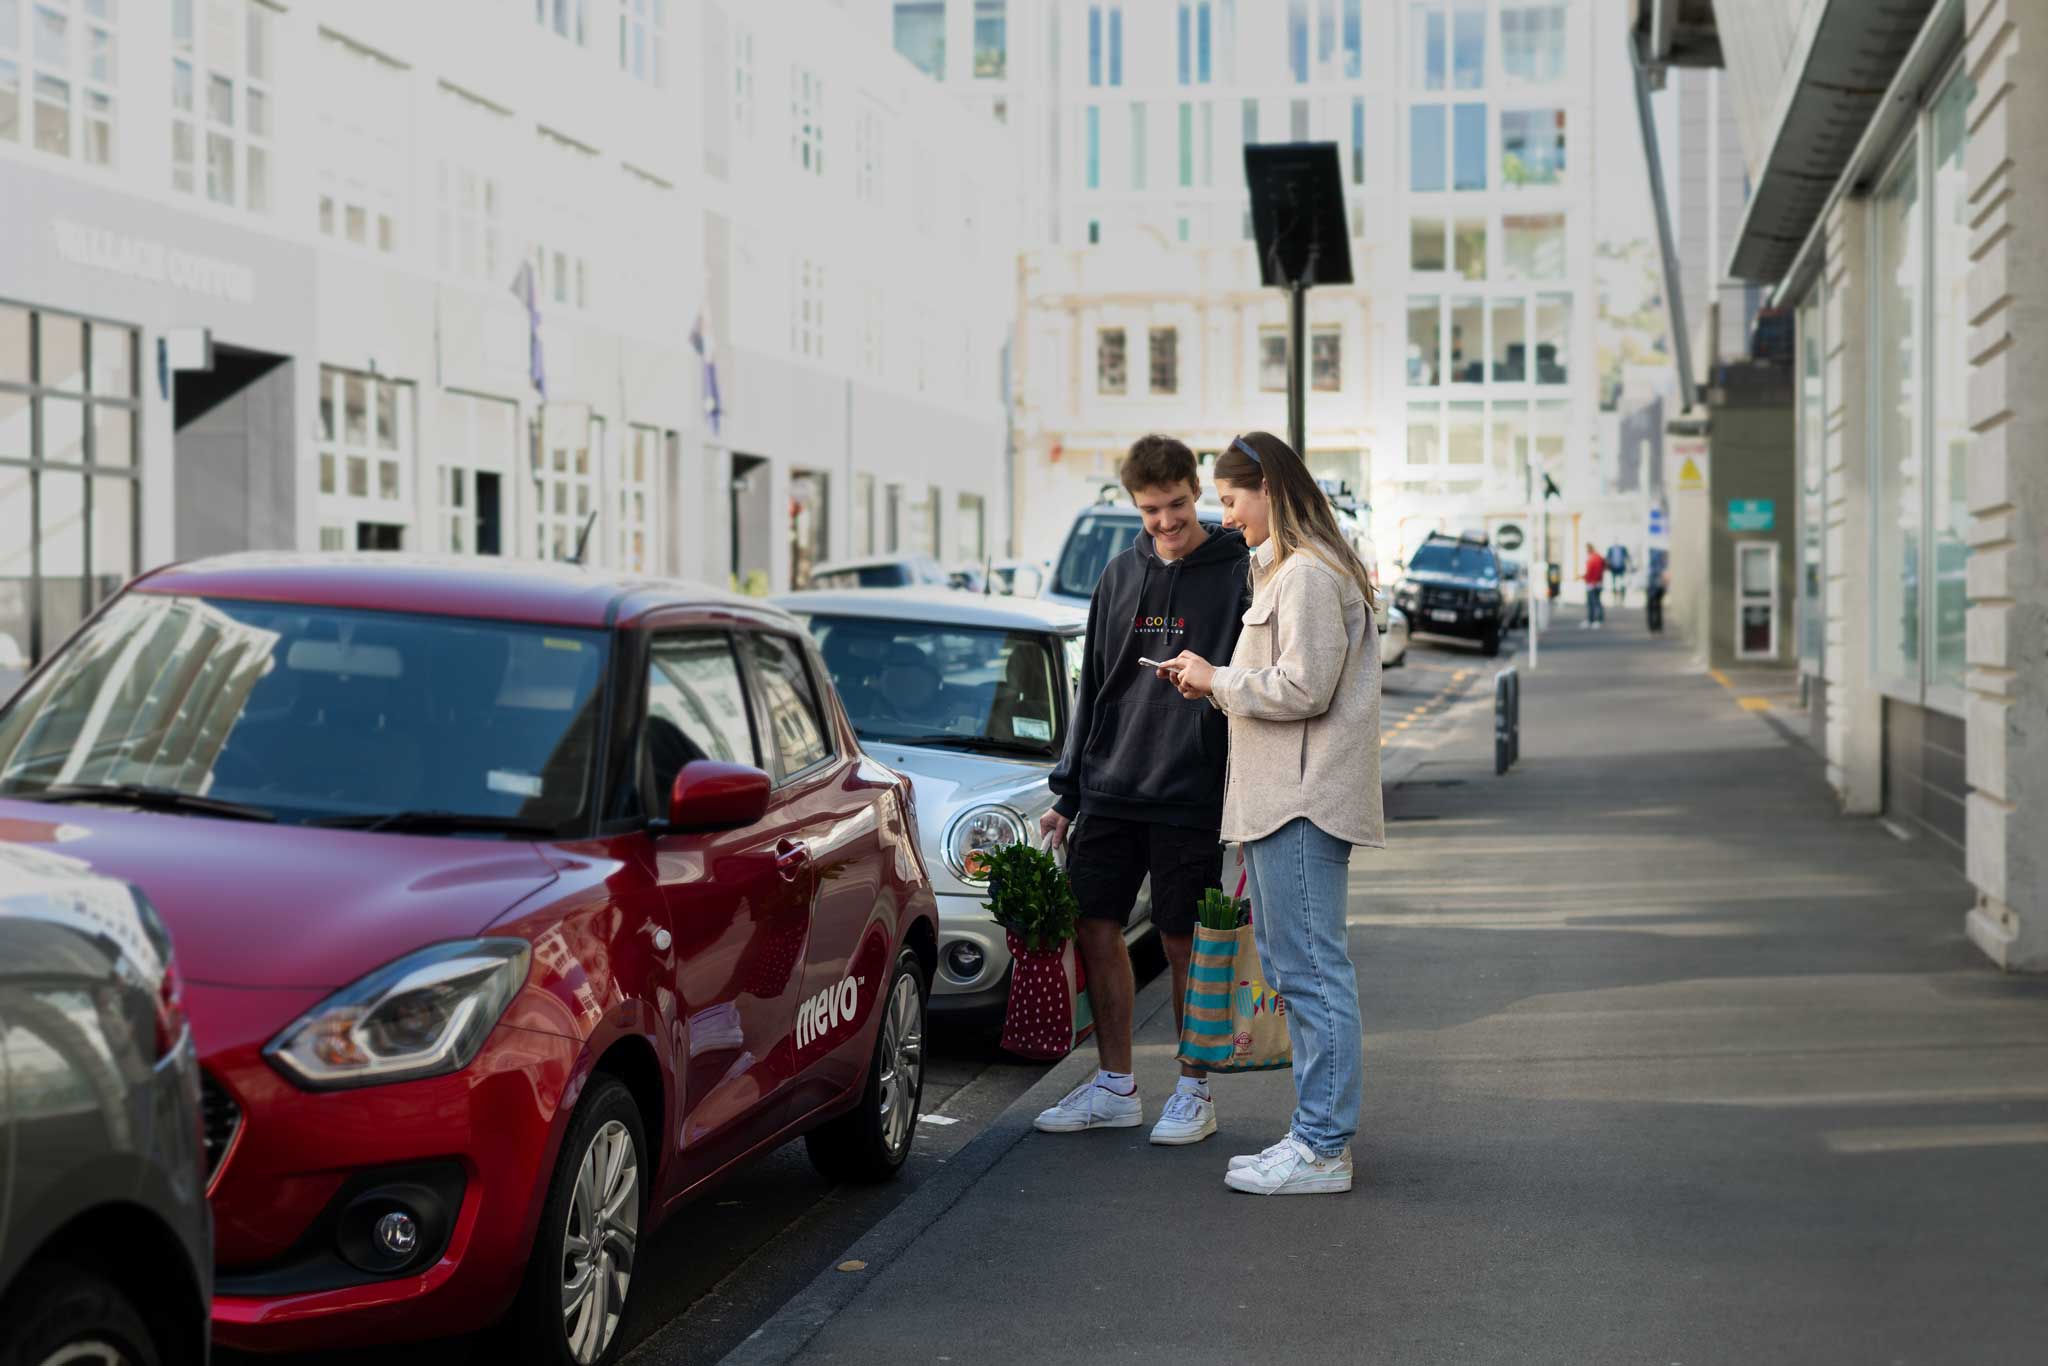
[947,605]
[542,593]
[871,562]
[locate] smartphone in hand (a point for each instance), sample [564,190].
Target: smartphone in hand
[1150,663]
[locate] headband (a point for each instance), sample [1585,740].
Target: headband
[1237,444]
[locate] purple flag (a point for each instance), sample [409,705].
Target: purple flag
[526,289]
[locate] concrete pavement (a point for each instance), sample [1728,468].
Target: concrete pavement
[1667,1061]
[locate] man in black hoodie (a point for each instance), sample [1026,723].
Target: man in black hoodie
[1140,786]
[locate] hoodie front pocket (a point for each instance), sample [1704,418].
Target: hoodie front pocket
[1155,751]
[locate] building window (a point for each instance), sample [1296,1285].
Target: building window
[1468,45]
[807,319]
[561,226]
[1273,360]
[1109,360]
[1468,241]
[1468,162]
[221,115]
[643,40]
[1165,357]
[807,119]
[1425,341]
[472,200]
[1430,35]
[869,130]
[1251,123]
[64,63]
[639,500]
[1106,44]
[476,444]
[1468,340]
[565,18]
[1138,146]
[1354,39]
[1812,437]
[1510,342]
[69,492]
[1358,140]
[1425,434]
[1426,245]
[1093,155]
[1553,338]
[861,527]
[921,35]
[1532,43]
[1532,147]
[1510,442]
[1326,359]
[1193,32]
[1948,351]
[1297,40]
[1465,434]
[1428,148]
[970,528]
[1533,246]
[366,131]
[1187,145]
[366,437]
[991,40]
[1297,120]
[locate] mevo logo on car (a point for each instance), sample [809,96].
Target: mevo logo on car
[826,1011]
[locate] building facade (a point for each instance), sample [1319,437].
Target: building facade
[1463,133]
[483,277]
[1897,207]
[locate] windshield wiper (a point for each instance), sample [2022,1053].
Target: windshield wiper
[150,799]
[976,742]
[451,822]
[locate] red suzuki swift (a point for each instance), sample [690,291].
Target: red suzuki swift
[515,905]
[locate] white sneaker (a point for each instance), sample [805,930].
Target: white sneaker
[1294,1170]
[1089,1106]
[1188,1118]
[1255,1159]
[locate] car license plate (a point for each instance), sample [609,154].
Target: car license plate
[1441,614]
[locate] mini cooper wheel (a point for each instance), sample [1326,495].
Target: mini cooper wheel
[574,1299]
[870,1141]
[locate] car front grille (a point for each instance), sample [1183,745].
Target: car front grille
[1433,596]
[223,1119]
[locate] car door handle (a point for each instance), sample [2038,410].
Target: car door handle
[790,857]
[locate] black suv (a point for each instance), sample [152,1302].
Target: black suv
[1452,587]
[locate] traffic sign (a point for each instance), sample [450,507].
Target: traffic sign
[1752,514]
[1508,537]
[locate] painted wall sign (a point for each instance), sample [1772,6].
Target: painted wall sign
[1752,514]
[142,259]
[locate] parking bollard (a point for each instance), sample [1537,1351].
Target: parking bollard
[1507,719]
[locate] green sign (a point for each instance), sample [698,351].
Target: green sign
[1752,514]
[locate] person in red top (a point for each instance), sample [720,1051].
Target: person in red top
[1596,570]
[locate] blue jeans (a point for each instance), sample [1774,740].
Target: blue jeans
[1297,879]
[1594,611]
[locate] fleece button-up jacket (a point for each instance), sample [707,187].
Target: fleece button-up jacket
[1302,694]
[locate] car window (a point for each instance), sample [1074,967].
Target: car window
[1092,544]
[1440,557]
[796,726]
[696,707]
[315,713]
[934,683]
[1077,655]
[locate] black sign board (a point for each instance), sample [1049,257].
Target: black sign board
[1297,192]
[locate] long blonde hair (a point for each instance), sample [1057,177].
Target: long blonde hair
[1303,520]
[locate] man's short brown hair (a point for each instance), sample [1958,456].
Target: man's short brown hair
[1159,462]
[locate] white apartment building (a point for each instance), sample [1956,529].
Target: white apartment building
[1463,129]
[354,200]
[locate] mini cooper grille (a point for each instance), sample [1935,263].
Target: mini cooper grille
[223,1117]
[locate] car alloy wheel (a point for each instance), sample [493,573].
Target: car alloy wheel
[90,1352]
[902,1059]
[599,1240]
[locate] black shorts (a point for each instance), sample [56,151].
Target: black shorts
[1108,858]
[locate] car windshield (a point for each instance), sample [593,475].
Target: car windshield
[316,715]
[1093,543]
[958,687]
[866,576]
[1466,561]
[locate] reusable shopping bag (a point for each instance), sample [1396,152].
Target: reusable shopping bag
[1231,1021]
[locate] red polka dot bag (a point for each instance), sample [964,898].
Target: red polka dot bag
[1030,897]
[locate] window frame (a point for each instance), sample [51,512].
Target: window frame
[828,719]
[1743,599]
[657,632]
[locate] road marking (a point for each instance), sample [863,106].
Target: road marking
[1858,1142]
[1754,703]
[1720,678]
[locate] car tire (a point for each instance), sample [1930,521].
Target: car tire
[589,1188]
[62,1310]
[1489,644]
[870,1142]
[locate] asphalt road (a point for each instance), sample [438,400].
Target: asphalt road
[716,1271]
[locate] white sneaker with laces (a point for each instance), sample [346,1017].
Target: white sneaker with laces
[1255,1159]
[1089,1106]
[1188,1118]
[1294,1170]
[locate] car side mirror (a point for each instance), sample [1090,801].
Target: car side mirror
[711,795]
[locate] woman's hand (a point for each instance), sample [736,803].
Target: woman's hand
[1189,672]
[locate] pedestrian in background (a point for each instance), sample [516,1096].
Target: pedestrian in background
[1659,581]
[1617,572]
[1140,784]
[1302,693]
[1596,570]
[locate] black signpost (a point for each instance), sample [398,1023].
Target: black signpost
[1297,192]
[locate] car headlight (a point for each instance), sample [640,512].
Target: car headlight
[975,833]
[424,1015]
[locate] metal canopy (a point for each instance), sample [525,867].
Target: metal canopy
[1844,64]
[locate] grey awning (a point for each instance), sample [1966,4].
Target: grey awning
[1836,82]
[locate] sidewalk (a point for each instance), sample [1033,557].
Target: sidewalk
[1666,1062]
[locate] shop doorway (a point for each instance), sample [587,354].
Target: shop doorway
[235,486]
[752,512]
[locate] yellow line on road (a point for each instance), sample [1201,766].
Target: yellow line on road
[1754,703]
[1720,678]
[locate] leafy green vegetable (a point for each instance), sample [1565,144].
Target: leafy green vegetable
[1029,895]
[1218,910]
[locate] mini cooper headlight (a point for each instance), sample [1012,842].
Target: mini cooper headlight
[424,1015]
[974,833]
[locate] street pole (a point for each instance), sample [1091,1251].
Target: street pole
[1297,368]
[1536,600]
